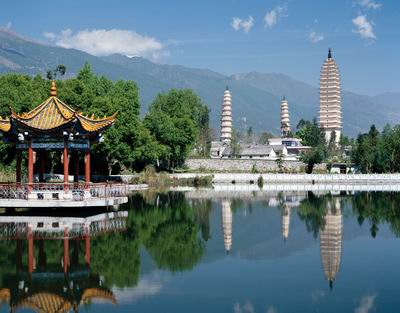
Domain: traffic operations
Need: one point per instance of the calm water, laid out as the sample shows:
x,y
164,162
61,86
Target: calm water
x,y
208,252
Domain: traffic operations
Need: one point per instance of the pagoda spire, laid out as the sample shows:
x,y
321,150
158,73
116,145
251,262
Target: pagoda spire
x,y
329,53
53,89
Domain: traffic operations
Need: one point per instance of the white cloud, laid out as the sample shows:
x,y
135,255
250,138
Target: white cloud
x,y
102,42
246,25
369,4
272,17
314,37
364,27
366,304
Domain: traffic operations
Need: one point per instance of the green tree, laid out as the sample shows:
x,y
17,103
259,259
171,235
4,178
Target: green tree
x,y
314,156
176,119
311,135
264,138
279,162
128,144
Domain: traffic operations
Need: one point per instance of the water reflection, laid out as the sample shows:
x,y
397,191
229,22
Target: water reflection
x,y
59,263
227,224
331,240
49,277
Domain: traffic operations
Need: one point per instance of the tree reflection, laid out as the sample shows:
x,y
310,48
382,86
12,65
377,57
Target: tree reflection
x,y
375,208
312,211
168,230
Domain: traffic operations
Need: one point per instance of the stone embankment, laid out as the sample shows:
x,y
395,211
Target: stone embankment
x,y
241,165
243,178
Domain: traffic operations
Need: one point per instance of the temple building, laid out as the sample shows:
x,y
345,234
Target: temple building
x,y
222,148
285,121
331,240
52,126
330,113
227,224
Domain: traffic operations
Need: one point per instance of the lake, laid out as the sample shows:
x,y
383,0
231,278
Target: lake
x,y
207,251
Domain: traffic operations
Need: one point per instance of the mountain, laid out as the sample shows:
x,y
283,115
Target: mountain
x,y
359,111
256,96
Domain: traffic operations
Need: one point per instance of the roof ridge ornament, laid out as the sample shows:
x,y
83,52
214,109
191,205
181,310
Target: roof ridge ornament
x,y
53,89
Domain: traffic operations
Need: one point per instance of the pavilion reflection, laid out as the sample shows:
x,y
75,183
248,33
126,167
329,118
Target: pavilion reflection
x,y
55,286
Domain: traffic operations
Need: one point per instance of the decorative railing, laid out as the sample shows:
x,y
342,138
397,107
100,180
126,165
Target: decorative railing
x,y
47,227
56,191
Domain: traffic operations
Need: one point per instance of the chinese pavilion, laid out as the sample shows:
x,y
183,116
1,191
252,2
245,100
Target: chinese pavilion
x,y
53,126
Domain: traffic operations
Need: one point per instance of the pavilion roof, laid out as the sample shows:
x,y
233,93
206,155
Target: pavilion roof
x,y
53,114
47,302
44,302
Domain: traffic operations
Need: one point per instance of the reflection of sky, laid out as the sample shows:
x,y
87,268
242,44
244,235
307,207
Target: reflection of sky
x,y
265,274
148,286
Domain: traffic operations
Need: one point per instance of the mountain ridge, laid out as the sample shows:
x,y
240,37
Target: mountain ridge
x,y
256,96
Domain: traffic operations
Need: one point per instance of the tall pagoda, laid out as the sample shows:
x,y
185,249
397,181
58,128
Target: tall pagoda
x,y
285,121
226,117
53,126
330,111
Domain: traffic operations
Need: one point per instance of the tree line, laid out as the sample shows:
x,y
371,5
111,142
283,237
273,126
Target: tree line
x,y
177,121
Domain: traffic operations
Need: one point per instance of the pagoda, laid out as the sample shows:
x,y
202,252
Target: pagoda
x,y
330,107
226,117
285,121
53,126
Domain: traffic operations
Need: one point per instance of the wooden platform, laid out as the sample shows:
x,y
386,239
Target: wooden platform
x,y
56,195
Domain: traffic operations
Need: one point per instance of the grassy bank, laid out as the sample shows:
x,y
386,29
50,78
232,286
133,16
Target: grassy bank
x,y
159,180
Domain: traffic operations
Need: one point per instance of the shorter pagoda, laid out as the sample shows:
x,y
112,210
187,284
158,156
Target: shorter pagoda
x,y
53,126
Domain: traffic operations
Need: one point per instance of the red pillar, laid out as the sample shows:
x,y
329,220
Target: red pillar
x,y
87,167
65,158
18,253
30,250
30,166
18,166
42,165
42,254
76,159
66,250
87,250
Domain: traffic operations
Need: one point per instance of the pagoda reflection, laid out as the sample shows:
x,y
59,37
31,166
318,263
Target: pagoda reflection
x,y
285,221
60,286
226,211
331,240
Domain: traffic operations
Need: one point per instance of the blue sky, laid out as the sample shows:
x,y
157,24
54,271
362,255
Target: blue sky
x,y
229,36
